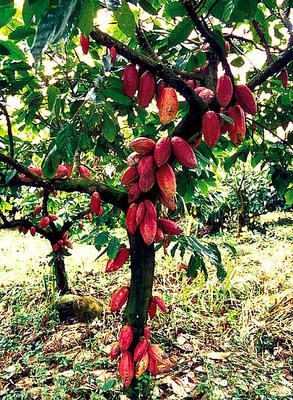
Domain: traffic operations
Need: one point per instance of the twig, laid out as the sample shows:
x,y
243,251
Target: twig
x,y
9,129
261,35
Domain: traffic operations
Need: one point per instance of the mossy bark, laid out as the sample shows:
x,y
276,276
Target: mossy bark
x,y
61,277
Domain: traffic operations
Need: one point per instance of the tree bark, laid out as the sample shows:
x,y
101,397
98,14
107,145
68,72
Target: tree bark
x,y
61,277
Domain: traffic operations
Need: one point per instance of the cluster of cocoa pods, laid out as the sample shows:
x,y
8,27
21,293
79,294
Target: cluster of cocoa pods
x,y
62,243
24,230
146,356
148,166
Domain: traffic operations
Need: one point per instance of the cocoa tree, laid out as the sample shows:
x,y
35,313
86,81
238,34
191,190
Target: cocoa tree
x,y
88,109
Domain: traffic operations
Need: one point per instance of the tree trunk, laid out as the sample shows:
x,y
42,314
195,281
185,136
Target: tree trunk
x,y
61,276
142,275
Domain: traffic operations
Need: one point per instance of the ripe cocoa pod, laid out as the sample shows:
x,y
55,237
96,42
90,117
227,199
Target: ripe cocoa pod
x,y
168,105
162,151
140,349
44,222
95,203
130,80
120,259
113,54
90,217
37,210
211,128
140,213
148,226
245,99
152,309
34,170
32,230
199,89
146,182
237,131
147,333
284,78
131,224
133,159
142,145
115,351
166,180
125,337
146,165
142,365
224,90
56,247
134,192
169,227
159,235
191,83
62,172
206,95
183,152
20,229
118,299
157,354
153,366
130,175
160,303
68,243
52,217
146,89
227,45
167,202
160,87
126,368
84,172
84,43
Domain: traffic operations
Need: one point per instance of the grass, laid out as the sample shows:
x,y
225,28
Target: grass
x,y
229,340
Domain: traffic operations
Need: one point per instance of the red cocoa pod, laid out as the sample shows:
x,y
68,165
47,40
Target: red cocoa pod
x,y
56,247
160,303
130,175
120,259
37,210
142,145
142,365
197,70
32,230
90,217
160,87
206,95
146,165
167,202
61,243
169,227
227,45
284,78
224,90
115,351
95,203
52,217
68,243
153,366
146,182
100,213
157,354
113,54
191,83
140,349
140,213
237,131
62,172
168,105
147,333
20,229
25,230
130,80
134,192
118,299
152,309
126,368
84,172
133,159
125,337
85,43
131,224
36,171
44,222
166,180
245,99
199,89
183,152
148,226
159,235
65,235
211,128
146,89
162,151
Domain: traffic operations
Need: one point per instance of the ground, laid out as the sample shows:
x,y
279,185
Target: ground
x,y
230,340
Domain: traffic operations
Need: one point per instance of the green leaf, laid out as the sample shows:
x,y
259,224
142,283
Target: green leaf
x,y
180,32
125,19
202,186
87,15
113,248
50,163
289,197
108,385
56,23
175,9
5,15
237,62
10,176
109,129
226,118
67,142
149,7
21,32
195,265
8,48
117,95
53,92
101,239
32,10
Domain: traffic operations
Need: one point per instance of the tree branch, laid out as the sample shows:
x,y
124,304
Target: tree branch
x,y
68,224
25,223
261,35
9,129
145,44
